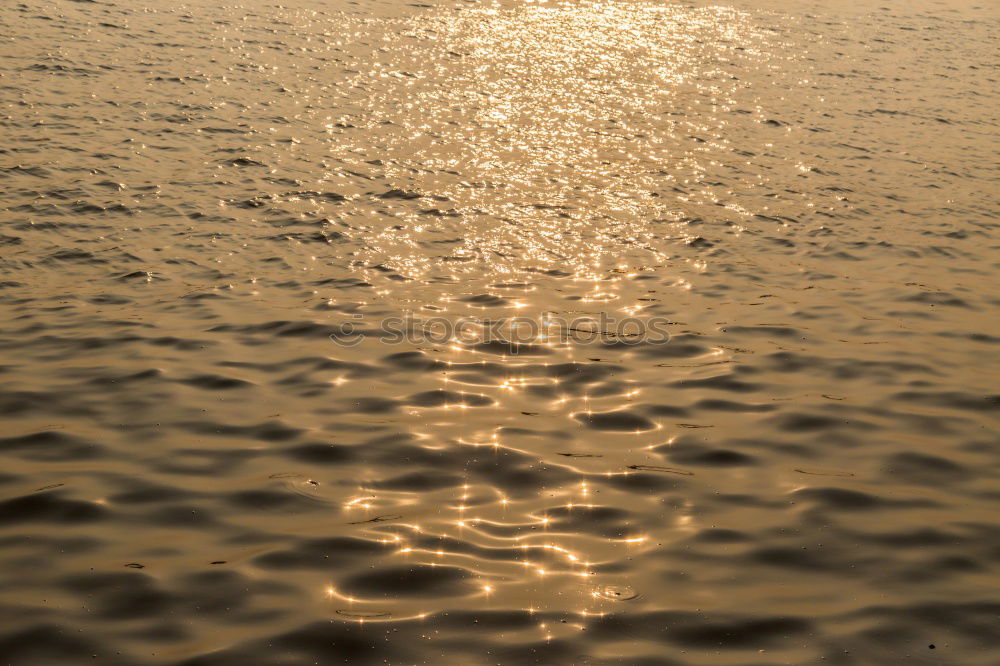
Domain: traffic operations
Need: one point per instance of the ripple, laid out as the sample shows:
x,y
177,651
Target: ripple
x,y
422,581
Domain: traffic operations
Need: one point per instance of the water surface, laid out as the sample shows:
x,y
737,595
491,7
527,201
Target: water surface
x,y
197,196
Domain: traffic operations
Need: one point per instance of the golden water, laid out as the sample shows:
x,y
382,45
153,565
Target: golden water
x,y
196,197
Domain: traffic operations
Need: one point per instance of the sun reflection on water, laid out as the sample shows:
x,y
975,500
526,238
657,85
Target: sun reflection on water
x,y
578,166
566,152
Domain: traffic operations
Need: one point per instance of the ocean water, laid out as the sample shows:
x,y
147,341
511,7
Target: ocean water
x,y
584,332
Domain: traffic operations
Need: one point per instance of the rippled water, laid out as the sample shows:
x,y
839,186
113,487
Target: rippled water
x,y
196,197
